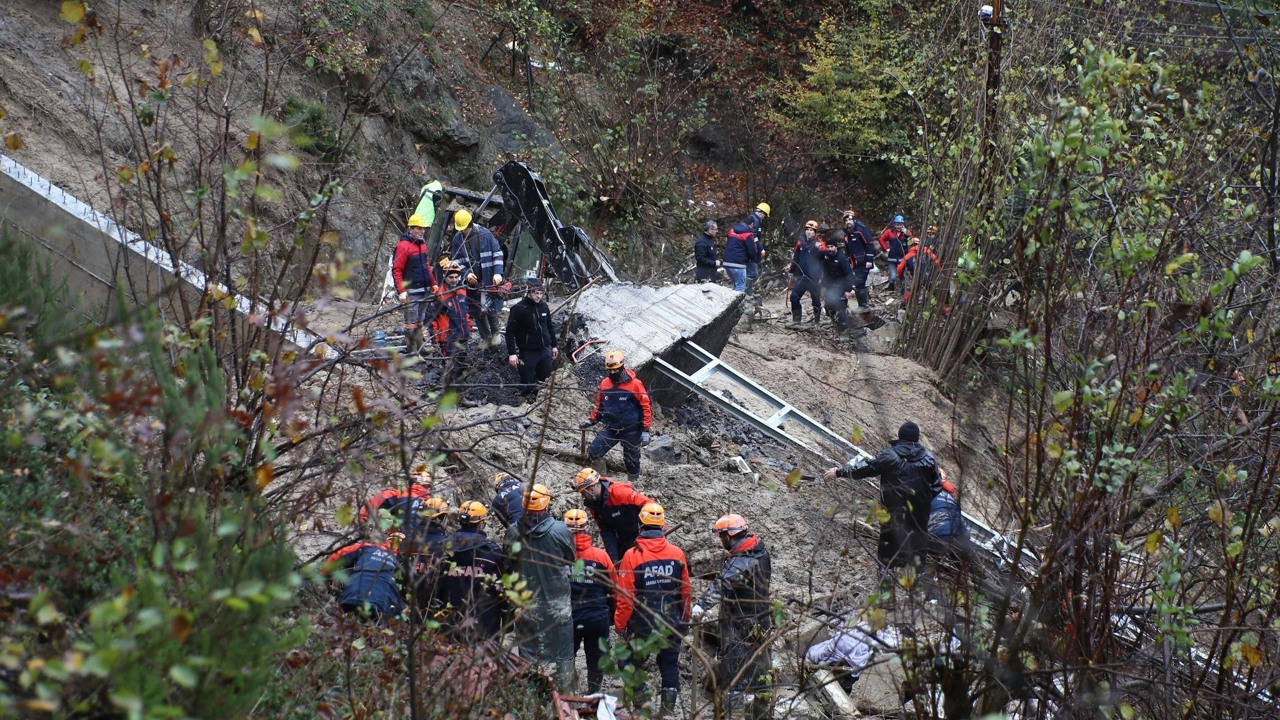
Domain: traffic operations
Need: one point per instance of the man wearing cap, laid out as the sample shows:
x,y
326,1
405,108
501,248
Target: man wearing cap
x,y
531,339
909,479
478,253
546,552
411,270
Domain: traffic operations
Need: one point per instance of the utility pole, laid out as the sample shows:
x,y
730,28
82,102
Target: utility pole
x,y
995,40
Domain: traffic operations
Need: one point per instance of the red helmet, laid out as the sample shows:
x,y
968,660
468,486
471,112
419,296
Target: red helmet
x,y
732,524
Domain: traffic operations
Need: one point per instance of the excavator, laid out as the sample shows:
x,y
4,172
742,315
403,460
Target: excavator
x,y
535,243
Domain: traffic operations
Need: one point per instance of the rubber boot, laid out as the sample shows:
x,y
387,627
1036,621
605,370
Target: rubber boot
x,y
594,681
564,676
413,340
817,318
633,477
668,707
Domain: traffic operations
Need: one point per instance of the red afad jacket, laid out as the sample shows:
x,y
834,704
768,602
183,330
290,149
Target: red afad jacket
x,y
653,586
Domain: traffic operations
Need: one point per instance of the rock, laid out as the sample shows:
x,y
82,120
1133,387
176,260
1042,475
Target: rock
x,y
665,450
703,457
878,690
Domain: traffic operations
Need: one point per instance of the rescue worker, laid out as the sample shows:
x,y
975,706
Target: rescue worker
x,y
741,589
411,269
909,479
654,596
508,499
948,534
452,325
920,261
545,628
531,339
615,506
893,242
740,251
837,279
472,584
425,553
371,588
593,598
397,500
755,221
704,253
806,274
622,405
479,255
861,251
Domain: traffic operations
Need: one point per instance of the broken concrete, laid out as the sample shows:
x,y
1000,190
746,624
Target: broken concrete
x,y
648,322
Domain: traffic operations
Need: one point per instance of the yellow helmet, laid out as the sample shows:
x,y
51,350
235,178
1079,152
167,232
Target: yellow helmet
x,y
576,519
472,511
416,220
537,498
434,507
652,514
461,220
764,208
585,478
614,360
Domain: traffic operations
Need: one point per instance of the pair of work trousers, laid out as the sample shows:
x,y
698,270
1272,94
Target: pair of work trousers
x,y
837,304
455,361
587,634
668,663
415,310
630,439
860,287
753,274
739,641
802,285
485,322
535,366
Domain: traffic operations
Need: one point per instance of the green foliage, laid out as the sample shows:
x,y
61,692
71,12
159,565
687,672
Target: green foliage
x,y
36,310
311,128
625,661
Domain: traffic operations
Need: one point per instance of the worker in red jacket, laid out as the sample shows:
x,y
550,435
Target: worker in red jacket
x,y
593,598
395,500
616,508
920,261
411,269
654,595
893,242
622,404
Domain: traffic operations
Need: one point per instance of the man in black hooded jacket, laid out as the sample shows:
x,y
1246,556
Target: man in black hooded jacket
x,y
531,339
909,479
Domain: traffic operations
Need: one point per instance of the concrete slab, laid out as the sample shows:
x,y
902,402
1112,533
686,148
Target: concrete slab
x,y
644,322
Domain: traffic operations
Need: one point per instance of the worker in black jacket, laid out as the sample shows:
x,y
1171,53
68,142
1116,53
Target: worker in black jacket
x,y
704,253
837,280
472,584
860,248
909,478
741,589
531,339
806,273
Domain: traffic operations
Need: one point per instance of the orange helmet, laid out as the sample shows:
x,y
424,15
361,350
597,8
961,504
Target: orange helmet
x,y
614,360
434,507
472,511
850,214
731,524
501,478
811,225
537,498
421,476
576,519
585,478
653,514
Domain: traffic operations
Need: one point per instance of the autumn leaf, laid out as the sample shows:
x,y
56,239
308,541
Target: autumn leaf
x,y
72,11
344,516
1062,400
1153,542
856,435
181,626
329,238
252,142
1250,654
1171,517
256,36
1136,416
265,475
12,141
1219,513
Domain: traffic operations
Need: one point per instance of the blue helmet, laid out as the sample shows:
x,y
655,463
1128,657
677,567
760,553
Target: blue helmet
x,y
899,219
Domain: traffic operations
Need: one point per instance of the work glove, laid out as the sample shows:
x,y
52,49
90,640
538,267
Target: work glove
x,y
586,424
497,278
471,279
435,289
644,438
513,361
698,612
404,297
